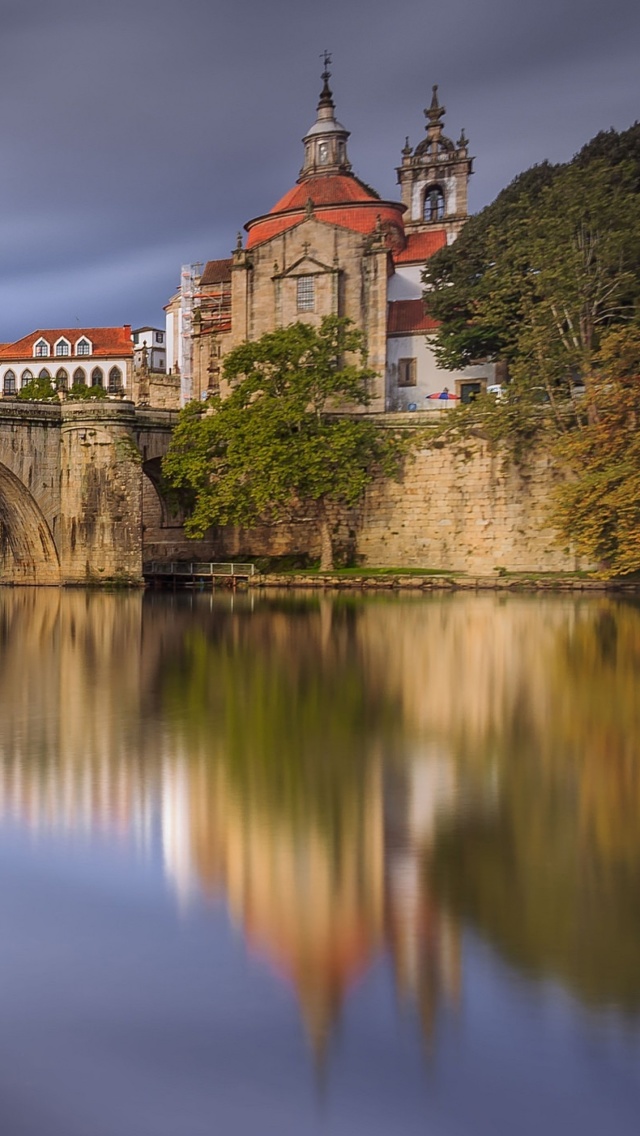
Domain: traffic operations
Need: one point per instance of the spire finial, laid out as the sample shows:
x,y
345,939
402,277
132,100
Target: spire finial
x,y
435,111
326,97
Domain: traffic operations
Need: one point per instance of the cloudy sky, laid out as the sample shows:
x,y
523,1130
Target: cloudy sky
x,y
138,135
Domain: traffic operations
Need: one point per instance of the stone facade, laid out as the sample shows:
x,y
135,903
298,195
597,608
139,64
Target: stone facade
x,y
331,246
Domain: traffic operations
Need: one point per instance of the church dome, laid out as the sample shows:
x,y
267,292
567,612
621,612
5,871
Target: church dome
x,y
327,189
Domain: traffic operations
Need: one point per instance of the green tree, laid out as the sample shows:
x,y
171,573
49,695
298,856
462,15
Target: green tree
x,y
39,389
81,392
598,507
282,445
541,279
536,277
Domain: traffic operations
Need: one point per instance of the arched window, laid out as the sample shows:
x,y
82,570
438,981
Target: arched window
x,y
26,377
97,377
115,380
79,377
44,374
62,379
433,203
9,383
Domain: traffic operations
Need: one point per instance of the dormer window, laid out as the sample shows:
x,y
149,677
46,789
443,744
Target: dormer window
x,y
83,347
41,349
63,347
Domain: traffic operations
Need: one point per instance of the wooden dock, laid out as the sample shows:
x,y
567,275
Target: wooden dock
x,y
196,574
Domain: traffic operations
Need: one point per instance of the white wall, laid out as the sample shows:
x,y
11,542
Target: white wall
x,y
405,284
69,363
430,379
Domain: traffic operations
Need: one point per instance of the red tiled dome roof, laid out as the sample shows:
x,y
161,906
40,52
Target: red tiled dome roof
x,y
338,199
330,189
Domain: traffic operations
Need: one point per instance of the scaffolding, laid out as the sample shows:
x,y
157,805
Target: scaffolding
x,y
189,276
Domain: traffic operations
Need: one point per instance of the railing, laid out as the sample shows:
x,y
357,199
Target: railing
x,y
198,568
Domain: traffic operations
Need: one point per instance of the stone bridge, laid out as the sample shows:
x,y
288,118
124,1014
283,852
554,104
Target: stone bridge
x,y
79,491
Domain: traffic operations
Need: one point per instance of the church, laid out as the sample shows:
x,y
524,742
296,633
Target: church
x,y
332,246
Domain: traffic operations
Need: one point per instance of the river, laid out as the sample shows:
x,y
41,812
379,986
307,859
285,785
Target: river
x,y
291,866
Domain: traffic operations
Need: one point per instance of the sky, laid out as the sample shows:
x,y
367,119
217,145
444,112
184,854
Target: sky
x,y
140,135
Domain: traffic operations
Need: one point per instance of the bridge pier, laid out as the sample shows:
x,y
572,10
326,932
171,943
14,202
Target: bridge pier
x,y
71,491
99,533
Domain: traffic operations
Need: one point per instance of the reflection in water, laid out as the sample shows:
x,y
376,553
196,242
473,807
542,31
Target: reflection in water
x,y
355,780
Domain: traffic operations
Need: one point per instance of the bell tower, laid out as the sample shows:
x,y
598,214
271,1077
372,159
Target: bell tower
x,y
434,178
325,144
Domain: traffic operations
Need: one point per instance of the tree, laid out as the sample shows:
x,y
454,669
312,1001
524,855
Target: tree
x,y
598,507
281,445
39,389
544,278
81,392
537,276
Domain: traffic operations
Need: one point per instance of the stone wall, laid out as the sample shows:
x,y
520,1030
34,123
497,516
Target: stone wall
x,y
464,509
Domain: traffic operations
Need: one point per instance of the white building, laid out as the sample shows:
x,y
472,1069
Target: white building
x,y
154,339
90,356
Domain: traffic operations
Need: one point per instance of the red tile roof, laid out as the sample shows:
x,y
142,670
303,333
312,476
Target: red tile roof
x,y
216,272
408,316
360,218
325,189
105,342
338,199
420,246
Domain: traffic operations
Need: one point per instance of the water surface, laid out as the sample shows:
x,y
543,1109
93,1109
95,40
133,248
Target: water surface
x,y
329,865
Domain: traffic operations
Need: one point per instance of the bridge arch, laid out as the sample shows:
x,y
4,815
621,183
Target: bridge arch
x,y
28,554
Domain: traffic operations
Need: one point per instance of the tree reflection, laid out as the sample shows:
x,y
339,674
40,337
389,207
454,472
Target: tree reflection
x,y
552,875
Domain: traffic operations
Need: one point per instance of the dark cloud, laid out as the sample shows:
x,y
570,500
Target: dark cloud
x,y
139,135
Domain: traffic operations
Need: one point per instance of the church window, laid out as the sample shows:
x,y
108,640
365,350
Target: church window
x,y
406,372
306,294
26,377
115,380
41,349
9,386
96,377
44,374
83,347
79,379
62,347
62,379
323,153
433,203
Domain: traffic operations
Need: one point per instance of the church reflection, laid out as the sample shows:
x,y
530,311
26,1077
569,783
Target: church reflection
x,y
318,769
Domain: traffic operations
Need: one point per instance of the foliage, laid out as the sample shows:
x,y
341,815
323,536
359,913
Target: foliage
x,y
38,390
599,507
280,446
541,279
80,392
536,276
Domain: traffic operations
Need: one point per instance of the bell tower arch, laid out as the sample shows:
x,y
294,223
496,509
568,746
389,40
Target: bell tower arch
x,y
434,177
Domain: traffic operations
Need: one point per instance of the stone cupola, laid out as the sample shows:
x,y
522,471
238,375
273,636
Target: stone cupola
x,y
325,144
434,177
